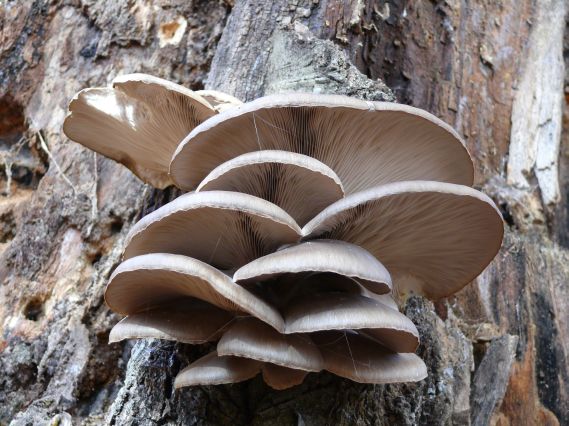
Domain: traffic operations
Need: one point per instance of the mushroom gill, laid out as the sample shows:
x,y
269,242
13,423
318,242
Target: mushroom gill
x,y
308,211
300,185
140,121
366,143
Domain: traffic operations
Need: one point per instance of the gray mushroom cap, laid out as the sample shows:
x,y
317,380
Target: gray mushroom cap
x,y
365,143
138,122
250,338
350,355
216,370
301,185
330,256
149,281
341,311
433,237
185,320
224,229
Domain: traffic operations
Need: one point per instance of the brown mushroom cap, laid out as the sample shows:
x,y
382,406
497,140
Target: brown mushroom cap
x,y
300,185
150,281
280,378
337,257
224,229
362,360
365,143
216,370
433,237
139,122
186,320
250,338
341,311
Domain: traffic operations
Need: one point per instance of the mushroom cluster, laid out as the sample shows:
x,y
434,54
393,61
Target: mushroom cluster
x,y
305,215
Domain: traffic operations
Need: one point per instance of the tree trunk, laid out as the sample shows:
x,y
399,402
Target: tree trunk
x,y
497,353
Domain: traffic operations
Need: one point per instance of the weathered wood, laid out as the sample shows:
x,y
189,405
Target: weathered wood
x,y
491,379
63,226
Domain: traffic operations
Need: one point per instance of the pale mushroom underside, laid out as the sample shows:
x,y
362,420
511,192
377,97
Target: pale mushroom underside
x,y
365,143
140,121
433,237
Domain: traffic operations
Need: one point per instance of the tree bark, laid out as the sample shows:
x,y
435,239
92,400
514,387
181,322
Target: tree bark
x,y
497,353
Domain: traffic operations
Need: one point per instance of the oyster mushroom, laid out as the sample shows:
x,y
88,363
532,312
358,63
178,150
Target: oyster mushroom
x,y
225,229
140,121
365,143
433,237
300,185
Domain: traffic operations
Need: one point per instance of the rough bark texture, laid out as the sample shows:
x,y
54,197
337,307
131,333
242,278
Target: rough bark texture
x,y
497,352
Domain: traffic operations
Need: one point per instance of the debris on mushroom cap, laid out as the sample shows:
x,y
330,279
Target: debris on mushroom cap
x,y
150,281
139,122
300,185
250,338
215,370
218,100
320,256
224,229
433,237
365,143
337,311
185,320
362,360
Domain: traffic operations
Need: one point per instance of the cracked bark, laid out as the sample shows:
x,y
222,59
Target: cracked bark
x,y
460,61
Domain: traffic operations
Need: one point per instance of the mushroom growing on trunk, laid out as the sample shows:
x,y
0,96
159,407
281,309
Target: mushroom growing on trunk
x,y
309,215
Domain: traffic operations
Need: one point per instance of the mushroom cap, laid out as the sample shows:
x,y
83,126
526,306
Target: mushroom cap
x,y
330,256
362,360
251,338
301,185
213,369
433,237
218,100
216,370
138,123
365,143
281,378
342,311
224,229
184,320
150,281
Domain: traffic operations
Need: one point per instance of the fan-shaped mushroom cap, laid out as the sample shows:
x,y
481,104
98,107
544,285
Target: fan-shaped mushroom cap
x,y
187,320
341,311
139,122
365,143
332,256
362,360
150,281
218,100
216,370
281,378
250,338
224,229
433,237
213,369
300,185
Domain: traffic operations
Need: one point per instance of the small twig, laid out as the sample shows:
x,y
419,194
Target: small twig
x,y
44,147
8,160
94,200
